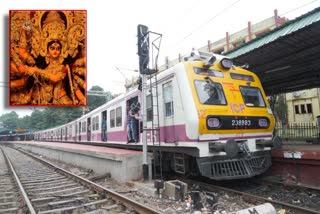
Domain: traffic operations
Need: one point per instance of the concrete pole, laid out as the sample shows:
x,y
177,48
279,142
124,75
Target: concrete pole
x,y
144,133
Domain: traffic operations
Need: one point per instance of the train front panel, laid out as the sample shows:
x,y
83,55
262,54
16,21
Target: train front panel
x,y
235,122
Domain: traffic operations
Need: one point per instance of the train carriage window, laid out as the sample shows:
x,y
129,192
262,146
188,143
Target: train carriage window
x,y
93,123
168,99
119,116
112,118
97,123
252,96
210,93
149,108
84,126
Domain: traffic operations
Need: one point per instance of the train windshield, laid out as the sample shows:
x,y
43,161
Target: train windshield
x,y
210,93
252,96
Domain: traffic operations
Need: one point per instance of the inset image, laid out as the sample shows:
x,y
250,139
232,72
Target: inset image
x,y
47,58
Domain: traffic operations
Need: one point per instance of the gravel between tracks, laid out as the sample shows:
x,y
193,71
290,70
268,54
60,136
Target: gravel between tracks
x,y
136,190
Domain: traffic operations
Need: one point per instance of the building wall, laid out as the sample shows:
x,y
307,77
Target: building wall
x,y
303,106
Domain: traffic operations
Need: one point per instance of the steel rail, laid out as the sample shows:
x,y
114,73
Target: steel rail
x,y
298,186
137,207
251,196
21,189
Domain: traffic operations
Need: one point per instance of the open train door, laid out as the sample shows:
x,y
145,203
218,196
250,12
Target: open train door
x,y
169,133
74,134
135,127
79,131
104,126
89,129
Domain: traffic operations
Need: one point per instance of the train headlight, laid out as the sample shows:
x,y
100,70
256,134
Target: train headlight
x,y
213,122
263,123
226,63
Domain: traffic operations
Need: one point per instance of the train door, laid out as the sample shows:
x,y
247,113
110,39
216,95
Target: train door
x,y
168,113
61,135
104,126
134,122
76,133
66,134
89,129
79,131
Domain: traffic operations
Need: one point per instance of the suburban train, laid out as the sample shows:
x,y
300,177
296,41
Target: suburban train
x,y
214,120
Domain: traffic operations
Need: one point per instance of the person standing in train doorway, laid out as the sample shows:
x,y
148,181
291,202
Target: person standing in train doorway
x,y
104,128
130,126
135,121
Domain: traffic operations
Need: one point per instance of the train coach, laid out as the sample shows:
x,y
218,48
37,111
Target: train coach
x,y
208,116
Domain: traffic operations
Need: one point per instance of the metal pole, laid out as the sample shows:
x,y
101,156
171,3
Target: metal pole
x,y
144,133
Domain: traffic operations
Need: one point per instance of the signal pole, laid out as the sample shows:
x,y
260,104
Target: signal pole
x,y
143,52
144,128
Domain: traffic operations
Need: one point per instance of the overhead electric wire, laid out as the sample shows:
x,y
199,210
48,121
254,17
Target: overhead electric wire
x,y
228,7
208,21
298,7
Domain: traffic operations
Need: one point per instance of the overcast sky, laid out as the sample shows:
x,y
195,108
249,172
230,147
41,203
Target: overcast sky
x,y
112,30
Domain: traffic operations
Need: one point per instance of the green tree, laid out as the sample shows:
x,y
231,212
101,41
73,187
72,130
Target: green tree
x,y
97,97
36,121
25,122
279,107
55,116
10,120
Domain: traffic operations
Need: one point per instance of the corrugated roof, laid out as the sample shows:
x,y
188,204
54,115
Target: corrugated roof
x,y
290,27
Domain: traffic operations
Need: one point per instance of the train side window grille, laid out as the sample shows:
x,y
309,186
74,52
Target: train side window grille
x,y
112,118
119,116
168,99
149,108
252,96
210,93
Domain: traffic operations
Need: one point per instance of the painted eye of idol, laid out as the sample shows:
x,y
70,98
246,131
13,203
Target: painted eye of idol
x,y
54,46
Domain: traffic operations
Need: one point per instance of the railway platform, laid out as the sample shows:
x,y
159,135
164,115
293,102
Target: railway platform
x,y
297,163
123,165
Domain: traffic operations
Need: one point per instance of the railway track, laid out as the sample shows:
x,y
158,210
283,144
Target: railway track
x,y
266,193
45,188
10,197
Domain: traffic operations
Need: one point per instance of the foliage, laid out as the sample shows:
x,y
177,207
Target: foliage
x,y
10,120
97,97
279,107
